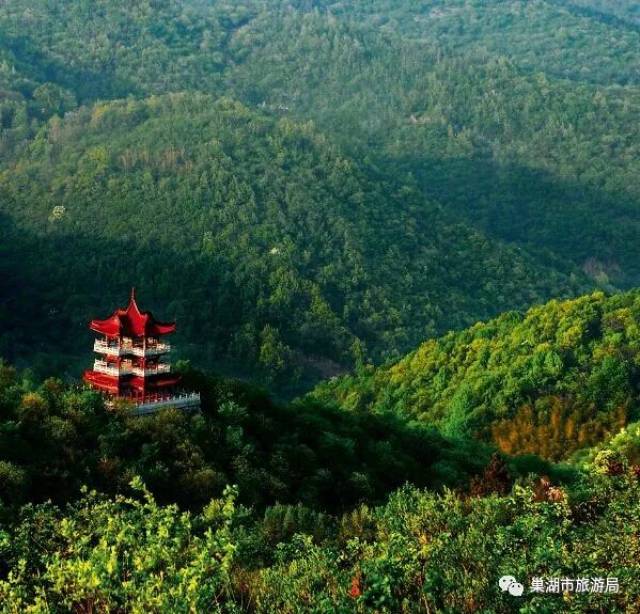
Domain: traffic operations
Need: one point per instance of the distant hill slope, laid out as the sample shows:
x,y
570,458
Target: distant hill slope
x,y
273,250
611,11
518,117
512,149
555,379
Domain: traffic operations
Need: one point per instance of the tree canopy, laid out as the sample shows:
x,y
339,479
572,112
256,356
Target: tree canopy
x,y
550,381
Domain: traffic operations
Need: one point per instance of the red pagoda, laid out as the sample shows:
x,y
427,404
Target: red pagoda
x,y
132,364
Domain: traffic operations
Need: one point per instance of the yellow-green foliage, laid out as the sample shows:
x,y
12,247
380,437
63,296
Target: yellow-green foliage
x,y
126,554
420,552
560,377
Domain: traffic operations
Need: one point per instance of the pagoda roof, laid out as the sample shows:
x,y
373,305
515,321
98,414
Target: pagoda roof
x,y
108,383
132,322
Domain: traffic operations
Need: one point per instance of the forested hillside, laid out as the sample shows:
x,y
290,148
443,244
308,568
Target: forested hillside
x,y
56,438
627,11
465,158
558,378
278,255
517,151
518,116
419,551
313,188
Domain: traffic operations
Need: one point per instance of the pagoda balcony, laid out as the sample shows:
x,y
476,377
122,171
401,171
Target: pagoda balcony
x,y
101,366
128,349
155,370
150,350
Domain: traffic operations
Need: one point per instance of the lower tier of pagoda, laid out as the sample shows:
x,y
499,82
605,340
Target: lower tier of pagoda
x,y
134,388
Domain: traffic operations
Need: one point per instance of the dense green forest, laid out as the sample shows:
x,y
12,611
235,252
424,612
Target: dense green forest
x,y
549,381
273,250
56,438
504,131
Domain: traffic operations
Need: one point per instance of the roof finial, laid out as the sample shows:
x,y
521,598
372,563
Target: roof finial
x,y
133,294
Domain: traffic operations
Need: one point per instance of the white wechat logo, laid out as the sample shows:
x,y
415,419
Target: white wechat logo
x,y
511,585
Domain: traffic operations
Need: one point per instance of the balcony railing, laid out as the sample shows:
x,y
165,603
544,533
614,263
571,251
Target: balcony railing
x,y
188,402
150,350
100,366
102,347
151,370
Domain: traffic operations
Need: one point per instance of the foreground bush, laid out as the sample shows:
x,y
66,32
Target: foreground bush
x,y
421,552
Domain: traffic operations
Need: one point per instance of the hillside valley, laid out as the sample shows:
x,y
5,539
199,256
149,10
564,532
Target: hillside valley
x,y
259,236
455,137
554,380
